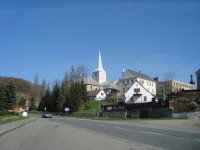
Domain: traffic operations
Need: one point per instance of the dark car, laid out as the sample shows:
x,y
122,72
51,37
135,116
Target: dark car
x,y
47,115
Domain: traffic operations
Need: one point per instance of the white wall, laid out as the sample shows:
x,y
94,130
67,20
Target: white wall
x,y
101,95
139,98
149,85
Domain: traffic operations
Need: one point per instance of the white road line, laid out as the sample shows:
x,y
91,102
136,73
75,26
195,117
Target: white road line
x,y
121,128
151,133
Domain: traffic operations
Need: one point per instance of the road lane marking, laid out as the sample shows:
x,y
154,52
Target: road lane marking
x,y
151,133
121,128
159,134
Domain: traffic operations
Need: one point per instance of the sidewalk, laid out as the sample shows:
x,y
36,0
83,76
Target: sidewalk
x,y
7,127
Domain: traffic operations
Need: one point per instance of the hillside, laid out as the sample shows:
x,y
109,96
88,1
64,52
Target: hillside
x,y
23,86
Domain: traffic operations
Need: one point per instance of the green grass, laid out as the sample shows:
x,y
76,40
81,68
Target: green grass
x,y
10,118
91,106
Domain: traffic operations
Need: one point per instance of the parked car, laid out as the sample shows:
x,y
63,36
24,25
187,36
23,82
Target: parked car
x,y
47,115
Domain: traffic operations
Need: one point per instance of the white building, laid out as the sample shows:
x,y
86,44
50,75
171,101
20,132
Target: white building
x,y
138,94
96,95
128,78
172,86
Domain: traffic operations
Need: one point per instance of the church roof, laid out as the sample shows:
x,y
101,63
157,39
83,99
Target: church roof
x,y
89,81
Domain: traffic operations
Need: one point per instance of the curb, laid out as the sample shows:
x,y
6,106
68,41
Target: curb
x,y
17,126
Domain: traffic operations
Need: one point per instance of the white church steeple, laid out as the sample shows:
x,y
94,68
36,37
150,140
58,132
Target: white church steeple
x,y
99,73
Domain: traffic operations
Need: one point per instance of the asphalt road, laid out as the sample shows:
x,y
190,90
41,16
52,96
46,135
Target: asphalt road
x,y
74,134
153,137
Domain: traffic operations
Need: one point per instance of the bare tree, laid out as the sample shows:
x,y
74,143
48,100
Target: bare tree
x,y
81,71
169,75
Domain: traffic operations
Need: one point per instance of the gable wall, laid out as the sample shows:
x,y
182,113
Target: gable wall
x,y
137,98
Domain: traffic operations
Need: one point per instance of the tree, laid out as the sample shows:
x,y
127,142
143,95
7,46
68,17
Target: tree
x,y
55,96
46,100
22,101
81,72
9,95
84,94
169,75
2,100
43,88
63,98
35,91
31,103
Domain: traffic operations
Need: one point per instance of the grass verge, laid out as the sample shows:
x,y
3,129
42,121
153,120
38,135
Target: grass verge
x,y
10,118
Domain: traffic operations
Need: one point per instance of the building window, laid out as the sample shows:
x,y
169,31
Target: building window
x,y
91,87
137,90
145,98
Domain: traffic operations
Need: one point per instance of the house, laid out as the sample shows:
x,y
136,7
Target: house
x,y
91,84
138,94
96,95
128,78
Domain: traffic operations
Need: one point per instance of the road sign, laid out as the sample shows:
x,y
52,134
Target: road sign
x,y
66,108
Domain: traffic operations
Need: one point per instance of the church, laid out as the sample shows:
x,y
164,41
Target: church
x,y
115,89
98,77
93,84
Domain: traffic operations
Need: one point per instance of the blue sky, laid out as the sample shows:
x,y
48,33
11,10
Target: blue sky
x,y
47,37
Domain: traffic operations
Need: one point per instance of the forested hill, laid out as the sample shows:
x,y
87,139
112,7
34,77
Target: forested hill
x,y
21,84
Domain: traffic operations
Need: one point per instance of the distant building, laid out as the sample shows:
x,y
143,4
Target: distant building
x,y
198,79
99,74
166,87
129,77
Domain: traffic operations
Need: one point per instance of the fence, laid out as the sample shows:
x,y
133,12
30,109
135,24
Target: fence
x,y
123,106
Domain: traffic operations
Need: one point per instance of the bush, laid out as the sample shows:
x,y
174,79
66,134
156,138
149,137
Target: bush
x,y
183,105
7,113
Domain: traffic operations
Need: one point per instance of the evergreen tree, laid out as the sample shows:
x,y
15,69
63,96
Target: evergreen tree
x,y
75,96
22,101
54,96
31,103
84,94
2,100
46,100
10,96
63,98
